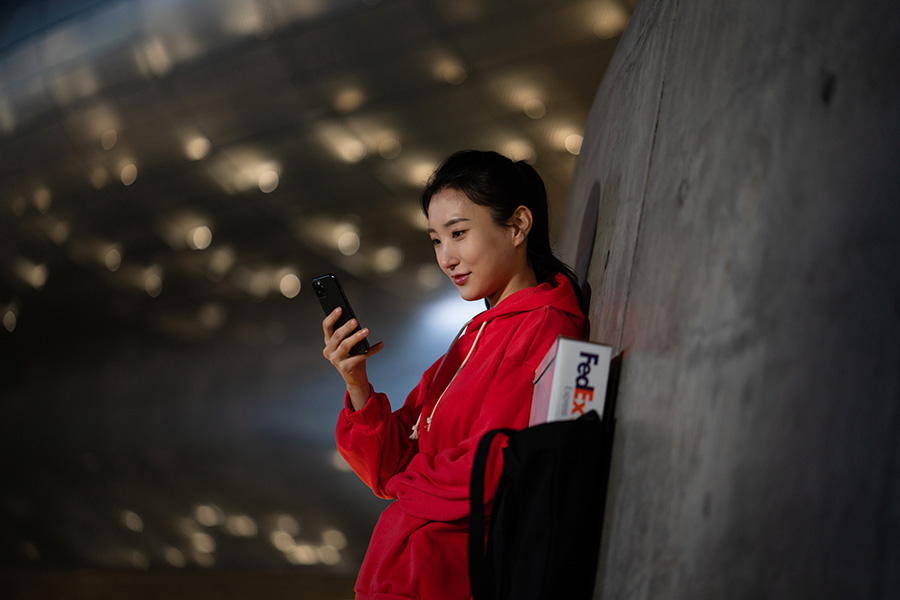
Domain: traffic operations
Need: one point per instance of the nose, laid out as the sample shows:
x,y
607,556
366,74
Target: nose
x,y
446,258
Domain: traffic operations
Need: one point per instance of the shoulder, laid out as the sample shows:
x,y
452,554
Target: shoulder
x,y
530,334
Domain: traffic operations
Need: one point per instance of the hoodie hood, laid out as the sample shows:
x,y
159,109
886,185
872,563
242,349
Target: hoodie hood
x,y
558,294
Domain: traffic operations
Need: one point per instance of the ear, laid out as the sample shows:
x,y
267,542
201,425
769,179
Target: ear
x,y
520,224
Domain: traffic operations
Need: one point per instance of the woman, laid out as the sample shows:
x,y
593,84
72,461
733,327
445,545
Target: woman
x,y
488,221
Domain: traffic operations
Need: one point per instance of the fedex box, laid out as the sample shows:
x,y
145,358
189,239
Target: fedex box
x,y
570,381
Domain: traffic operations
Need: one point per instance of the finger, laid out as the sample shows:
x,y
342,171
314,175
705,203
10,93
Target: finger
x,y
329,321
374,349
346,329
352,340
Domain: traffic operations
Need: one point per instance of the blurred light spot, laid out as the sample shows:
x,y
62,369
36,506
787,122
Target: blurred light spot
x,y
158,58
573,143
7,118
132,521
33,274
42,199
351,150
289,285
342,142
348,243
199,238
113,259
388,259
420,172
283,541
31,551
430,276
303,554
349,99
609,19
268,181
389,148
203,542
59,231
241,526
204,559
335,539
187,526
10,320
99,177
287,524
138,559
153,281
519,150
221,261
197,148
109,138
208,515
534,108
174,557
450,70
128,174
329,555
338,462
211,316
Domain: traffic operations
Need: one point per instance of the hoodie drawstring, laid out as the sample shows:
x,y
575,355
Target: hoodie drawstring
x,y
415,430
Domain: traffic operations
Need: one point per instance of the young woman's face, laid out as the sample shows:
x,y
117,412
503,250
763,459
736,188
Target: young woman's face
x,y
483,259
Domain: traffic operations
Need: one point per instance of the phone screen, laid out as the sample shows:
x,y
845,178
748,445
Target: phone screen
x,y
331,295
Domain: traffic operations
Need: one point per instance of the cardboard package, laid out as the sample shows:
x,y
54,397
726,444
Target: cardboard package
x,y
570,381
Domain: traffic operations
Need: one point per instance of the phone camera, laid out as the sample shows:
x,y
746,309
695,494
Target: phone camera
x,y
320,289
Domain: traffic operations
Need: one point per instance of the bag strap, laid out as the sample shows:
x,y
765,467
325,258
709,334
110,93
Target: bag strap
x,y
478,577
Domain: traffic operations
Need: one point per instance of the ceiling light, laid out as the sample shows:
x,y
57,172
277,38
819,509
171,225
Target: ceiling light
x,y
10,320
42,199
197,148
108,139
129,174
609,20
388,259
450,70
268,182
348,243
199,238
389,148
349,99
289,284
534,108
112,259
573,143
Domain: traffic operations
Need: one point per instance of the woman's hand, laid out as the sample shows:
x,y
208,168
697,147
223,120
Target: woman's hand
x,y
352,367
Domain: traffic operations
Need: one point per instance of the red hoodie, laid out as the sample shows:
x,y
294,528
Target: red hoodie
x,y
419,547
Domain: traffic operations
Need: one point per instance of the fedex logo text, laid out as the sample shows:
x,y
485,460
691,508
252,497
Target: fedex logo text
x,y
584,392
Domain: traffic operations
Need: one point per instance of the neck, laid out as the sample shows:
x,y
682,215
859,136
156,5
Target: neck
x,y
522,280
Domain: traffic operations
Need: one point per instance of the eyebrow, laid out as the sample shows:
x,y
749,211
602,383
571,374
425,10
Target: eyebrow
x,y
450,223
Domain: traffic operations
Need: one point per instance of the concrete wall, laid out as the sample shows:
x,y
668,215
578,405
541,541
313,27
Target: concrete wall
x,y
736,207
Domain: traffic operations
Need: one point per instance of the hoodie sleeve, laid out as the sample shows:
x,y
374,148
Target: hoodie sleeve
x,y
375,441
436,486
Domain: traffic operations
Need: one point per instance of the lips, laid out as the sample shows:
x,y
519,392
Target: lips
x,y
460,279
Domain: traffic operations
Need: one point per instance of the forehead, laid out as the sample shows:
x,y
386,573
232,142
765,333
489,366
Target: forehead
x,y
450,204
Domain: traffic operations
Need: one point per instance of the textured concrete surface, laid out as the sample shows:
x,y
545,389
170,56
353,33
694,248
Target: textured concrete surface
x,y
736,209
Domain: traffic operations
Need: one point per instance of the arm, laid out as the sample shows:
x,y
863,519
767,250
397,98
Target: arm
x,y
374,441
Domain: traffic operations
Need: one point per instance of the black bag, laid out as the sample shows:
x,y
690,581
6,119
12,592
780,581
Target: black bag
x,y
544,535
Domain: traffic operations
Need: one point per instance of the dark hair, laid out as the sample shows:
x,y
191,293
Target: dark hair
x,y
496,182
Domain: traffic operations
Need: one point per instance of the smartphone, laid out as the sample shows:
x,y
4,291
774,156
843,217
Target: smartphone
x,y
331,295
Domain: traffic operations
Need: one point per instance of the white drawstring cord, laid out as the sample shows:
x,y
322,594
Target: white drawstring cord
x,y
415,430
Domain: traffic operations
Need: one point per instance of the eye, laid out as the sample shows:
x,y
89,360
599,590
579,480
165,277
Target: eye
x,y
435,241
458,233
